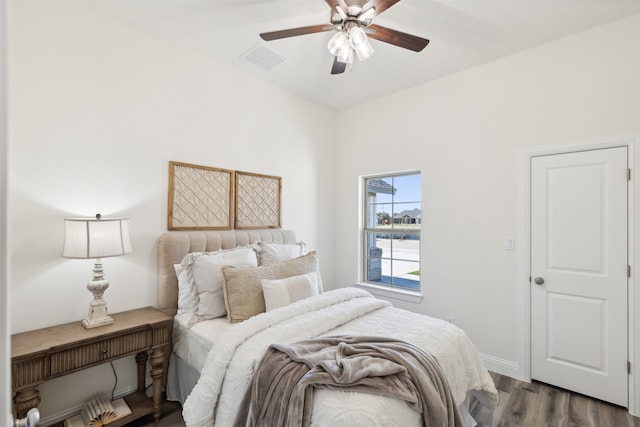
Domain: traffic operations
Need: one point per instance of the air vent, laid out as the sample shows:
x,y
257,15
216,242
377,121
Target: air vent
x,y
263,57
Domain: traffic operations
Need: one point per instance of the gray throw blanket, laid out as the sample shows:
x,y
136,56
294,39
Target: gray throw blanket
x,y
281,392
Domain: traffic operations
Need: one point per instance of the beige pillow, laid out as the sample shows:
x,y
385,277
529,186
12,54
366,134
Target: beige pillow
x,y
243,296
281,292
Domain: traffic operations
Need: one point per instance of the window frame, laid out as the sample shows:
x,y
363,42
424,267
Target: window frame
x,y
377,287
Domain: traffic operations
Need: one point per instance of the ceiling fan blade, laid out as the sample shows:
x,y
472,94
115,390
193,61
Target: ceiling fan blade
x,y
338,67
292,32
397,38
380,5
334,3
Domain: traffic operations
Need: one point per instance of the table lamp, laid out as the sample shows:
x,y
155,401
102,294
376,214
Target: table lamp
x,y
96,238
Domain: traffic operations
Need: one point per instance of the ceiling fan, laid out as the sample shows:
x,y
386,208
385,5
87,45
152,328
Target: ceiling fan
x,y
353,22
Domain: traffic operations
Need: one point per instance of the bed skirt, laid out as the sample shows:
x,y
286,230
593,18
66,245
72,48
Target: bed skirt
x,y
181,378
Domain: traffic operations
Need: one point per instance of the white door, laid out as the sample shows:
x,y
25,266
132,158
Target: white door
x,y
579,272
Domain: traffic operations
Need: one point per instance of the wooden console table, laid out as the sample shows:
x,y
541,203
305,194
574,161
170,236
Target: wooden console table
x,y
47,353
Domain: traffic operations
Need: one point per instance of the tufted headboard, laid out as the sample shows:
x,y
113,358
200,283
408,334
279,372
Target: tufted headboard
x,y
174,245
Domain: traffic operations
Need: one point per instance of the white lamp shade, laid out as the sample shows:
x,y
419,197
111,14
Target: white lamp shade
x,y
96,238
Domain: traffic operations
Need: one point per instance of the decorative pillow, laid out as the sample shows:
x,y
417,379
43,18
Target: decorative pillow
x,y
205,269
270,253
187,293
281,292
243,294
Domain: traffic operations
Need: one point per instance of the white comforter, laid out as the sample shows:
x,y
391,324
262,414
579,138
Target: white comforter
x,y
229,366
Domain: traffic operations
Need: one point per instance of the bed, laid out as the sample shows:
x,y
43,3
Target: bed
x,y
213,360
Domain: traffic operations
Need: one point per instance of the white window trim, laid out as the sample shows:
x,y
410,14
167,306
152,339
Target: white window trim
x,y
391,292
375,289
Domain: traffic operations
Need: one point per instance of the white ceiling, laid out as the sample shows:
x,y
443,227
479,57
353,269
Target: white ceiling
x,y
463,34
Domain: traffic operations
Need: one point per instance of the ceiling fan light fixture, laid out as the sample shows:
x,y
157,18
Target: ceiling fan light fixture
x,y
345,55
364,51
338,43
360,43
353,20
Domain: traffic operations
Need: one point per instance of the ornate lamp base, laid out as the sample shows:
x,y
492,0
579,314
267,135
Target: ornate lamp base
x,y
98,315
88,323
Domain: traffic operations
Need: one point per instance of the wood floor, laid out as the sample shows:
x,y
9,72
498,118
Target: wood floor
x,y
521,405
540,405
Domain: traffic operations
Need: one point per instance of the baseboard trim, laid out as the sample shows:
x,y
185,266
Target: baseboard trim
x,y
502,366
70,412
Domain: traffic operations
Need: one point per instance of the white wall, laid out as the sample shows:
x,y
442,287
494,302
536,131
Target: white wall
x,y
98,109
464,133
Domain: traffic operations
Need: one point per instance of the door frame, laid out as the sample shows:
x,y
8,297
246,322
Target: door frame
x,y
5,355
524,251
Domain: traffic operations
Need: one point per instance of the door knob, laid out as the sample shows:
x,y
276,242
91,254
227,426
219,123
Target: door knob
x,y
539,280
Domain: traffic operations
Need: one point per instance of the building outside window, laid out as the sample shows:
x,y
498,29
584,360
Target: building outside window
x,y
393,214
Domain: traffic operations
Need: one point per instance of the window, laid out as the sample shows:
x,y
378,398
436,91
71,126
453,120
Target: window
x,y
393,214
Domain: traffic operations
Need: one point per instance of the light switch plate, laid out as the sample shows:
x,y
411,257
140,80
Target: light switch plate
x,y
508,243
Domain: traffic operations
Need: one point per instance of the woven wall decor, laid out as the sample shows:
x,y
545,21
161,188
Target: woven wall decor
x,y
200,197
258,200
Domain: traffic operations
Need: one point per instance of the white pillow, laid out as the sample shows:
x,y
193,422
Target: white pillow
x,y
270,253
206,270
187,293
281,292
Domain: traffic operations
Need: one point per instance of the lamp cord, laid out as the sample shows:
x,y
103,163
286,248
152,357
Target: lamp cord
x,y
115,377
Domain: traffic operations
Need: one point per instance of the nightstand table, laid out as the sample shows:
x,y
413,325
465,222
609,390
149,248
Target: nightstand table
x,y
37,356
